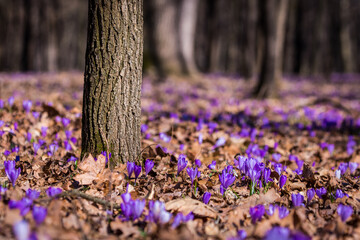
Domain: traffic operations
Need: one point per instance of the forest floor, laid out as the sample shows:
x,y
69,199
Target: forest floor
x,y
306,142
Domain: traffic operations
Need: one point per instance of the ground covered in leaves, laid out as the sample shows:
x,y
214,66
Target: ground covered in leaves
x,y
215,164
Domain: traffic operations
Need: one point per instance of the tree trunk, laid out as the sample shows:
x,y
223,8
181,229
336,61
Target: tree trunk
x,y
272,26
113,76
187,25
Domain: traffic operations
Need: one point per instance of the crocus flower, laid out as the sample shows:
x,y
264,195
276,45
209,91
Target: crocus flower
x,y
206,197
331,148
220,142
28,137
21,230
241,235
1,104
179,218
126,210
278,167
149,164
297,200
43,131
200,138
226,180
353,166
2,191
65,122
182,163
32,194
165,137
53,191
276,156
266,175
198,162
339,194
240,163
36,147
344,212
11,172
282,181
67,146
137,207
343,167
137,171
144,127
277,233
192,172
72,159
283,212
310,193
158,213
39,214
257,212
212,165
53,148
23,205
126,197
130,168
320,192
27,105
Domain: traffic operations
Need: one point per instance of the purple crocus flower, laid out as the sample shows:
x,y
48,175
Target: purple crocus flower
x,y
53,191
165,137
320,192
36,147
198,162
277,233
36,115
180,218
297,200
23,205
2,191
28,137
39,214
278,167
338,174
126,210
220,142
72,159
310,193
240,163
149,164
130,168
43,131
266,175
344,212
212,165
11,172
200,138
282,181
158,213
105,154
182,163
126,197
27,105
137,207
226,180
11,101
276,156
144,128
53,148
331,148
6,153
137,171
1,104
256,213
283,212
68,134
67,146
343,167
206,197
339,194
353,166
65,122
192,172
241,235
21,230
32,194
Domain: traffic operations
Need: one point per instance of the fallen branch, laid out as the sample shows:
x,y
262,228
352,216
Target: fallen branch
x,y
77,193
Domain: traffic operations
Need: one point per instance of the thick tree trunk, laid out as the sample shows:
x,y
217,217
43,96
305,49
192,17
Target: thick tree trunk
x,y
272,26
113,76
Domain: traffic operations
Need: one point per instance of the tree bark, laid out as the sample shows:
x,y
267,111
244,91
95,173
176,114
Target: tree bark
x,y
113,76
272,26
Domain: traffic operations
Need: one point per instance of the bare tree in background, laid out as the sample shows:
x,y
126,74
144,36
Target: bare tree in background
x,y
113,76
272,19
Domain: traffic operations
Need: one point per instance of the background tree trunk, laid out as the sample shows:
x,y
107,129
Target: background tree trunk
x,y
113,76
272,26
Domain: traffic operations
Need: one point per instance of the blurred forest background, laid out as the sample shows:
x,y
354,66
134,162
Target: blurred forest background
x,y
192,36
